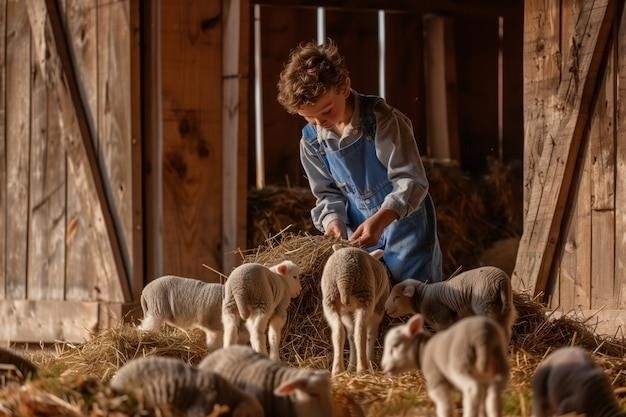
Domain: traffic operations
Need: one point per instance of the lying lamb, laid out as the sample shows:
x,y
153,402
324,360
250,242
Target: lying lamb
x,y
283,391
185,303
481,291
12,360
174,387
260,296
355,285
568,381
471,355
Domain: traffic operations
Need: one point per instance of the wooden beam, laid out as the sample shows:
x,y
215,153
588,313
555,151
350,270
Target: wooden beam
x,y
552,178
473,7
55,61
235,63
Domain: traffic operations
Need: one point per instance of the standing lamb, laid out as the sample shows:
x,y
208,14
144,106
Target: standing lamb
x,y
568,381
260,296
471,355
175,387
283,391
482,291
185,303
355,285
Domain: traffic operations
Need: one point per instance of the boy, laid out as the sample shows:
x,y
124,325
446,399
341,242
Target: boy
x,y
362,163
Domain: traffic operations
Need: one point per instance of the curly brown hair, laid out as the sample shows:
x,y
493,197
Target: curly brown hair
x,y
311,71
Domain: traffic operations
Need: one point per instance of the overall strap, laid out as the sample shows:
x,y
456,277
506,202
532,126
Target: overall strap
x,y
309,133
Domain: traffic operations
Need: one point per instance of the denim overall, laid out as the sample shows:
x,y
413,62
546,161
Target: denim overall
x,y
411,246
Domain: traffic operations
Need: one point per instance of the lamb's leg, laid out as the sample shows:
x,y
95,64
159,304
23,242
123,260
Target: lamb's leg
x,y
338,337
214,339
275,328
348,322
231,322
372,335
257,326
473,393
493,400
360,339
440,393
150,322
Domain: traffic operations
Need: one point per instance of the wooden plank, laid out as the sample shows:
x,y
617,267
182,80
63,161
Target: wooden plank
x,y
47,320
137,170
583,278
114,117
235,61
541,80
3,142
151,122
602,322
405,55
39,228
192,153
620,168
442,133
282,29
18,94
602,154
473,7
552,178
54,59
83,269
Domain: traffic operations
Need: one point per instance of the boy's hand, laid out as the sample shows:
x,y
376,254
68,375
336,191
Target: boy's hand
x,y
368,233
336,228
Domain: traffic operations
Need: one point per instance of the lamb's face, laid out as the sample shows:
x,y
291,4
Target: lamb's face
x,y
309,394
399,354
398,304
291,273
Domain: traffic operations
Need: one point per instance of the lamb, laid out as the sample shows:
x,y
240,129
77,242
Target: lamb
x,y
471,355
12,360
283,391
568,381
260,296
185,303
481,291
177,388
355,285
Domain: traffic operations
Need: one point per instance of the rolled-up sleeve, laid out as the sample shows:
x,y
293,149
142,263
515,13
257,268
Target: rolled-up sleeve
x,y
397,150
330,202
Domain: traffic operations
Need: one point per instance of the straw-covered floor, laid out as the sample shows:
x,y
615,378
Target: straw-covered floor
x,y
73,378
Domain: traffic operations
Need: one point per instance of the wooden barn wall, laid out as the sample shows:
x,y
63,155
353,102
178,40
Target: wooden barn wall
x,y
356,32
191,65
588,273
55,256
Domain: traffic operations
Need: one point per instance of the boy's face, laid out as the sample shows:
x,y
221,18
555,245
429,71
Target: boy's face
x,y
329,109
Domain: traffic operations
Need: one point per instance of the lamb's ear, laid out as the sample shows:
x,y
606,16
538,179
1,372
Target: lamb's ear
x,y
291,386
415,325
409,289
281,268
377,254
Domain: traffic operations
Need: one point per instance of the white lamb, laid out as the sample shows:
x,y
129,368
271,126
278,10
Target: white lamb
x,y
185,303
355,285
174,387
471,355
282,391
568,381
481,291
260,296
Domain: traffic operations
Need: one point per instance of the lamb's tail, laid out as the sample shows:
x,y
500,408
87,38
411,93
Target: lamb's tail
x,y
344,287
